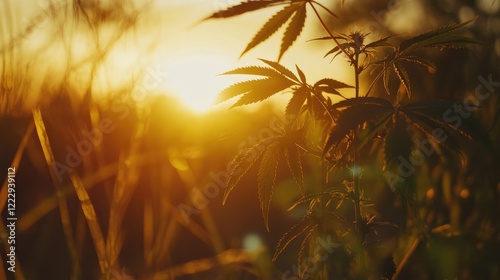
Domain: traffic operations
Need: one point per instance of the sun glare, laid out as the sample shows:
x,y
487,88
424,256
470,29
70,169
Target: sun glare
x,y
193,80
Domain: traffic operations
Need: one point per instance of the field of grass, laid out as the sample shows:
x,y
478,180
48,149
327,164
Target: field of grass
x,y
105,177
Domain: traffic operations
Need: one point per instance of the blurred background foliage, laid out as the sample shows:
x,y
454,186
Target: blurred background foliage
x,y
80,62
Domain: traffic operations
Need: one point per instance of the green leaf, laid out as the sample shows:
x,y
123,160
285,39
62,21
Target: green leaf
x,y
420,61
292,155
295,104
241,88
313,196
301,75
243,8
332,83
280,68
438,37
264,90
240,165
334,50
372,129
350,118
383,42
387,76
443,113
266,179
271,26
427,128
293,30
330,86
255,90
307,223
362,100
403,76
302,251
253,70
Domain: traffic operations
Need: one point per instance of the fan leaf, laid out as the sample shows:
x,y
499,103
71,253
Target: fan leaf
x,y
350,118
383,42
441,36
295,104
446,114
307,223
332,83
330,86
301,75
362,100
266,179
243,8
420,61
264,90
240,165
271,26
387,76
429,128
292,155
253,70
403,76
293,30
369,133
282,69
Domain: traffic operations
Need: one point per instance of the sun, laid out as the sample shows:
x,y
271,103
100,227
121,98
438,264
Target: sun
x,y
193,80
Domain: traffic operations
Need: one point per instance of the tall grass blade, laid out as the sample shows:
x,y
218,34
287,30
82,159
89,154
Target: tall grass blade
x,y
91,218
61,198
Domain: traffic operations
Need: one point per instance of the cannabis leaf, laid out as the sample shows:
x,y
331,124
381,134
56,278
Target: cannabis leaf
x,y
294,14
359,111
269,152
293,30
241,163
307,224
244,7
444,37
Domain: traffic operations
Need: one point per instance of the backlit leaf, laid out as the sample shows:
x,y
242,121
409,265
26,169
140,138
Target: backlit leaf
x,y
293,30
301,75
242,163
421,61
280,68
264,90
444,113
266,179
307,223
295,104
362,100
429,128
332,83
271,26
383,42
441,36
369,133
253,70
386,78
350,118
242,8
403,76
292,155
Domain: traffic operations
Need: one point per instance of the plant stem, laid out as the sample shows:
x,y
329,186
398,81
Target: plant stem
x,y
328,31
355,173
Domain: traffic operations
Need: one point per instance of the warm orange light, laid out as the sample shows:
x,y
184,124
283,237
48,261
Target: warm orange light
x,y
193,79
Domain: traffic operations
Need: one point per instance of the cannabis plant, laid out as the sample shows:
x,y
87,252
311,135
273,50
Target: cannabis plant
x,y
338,134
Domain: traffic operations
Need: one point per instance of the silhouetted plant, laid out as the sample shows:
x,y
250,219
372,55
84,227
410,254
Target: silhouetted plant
x,y
347,127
